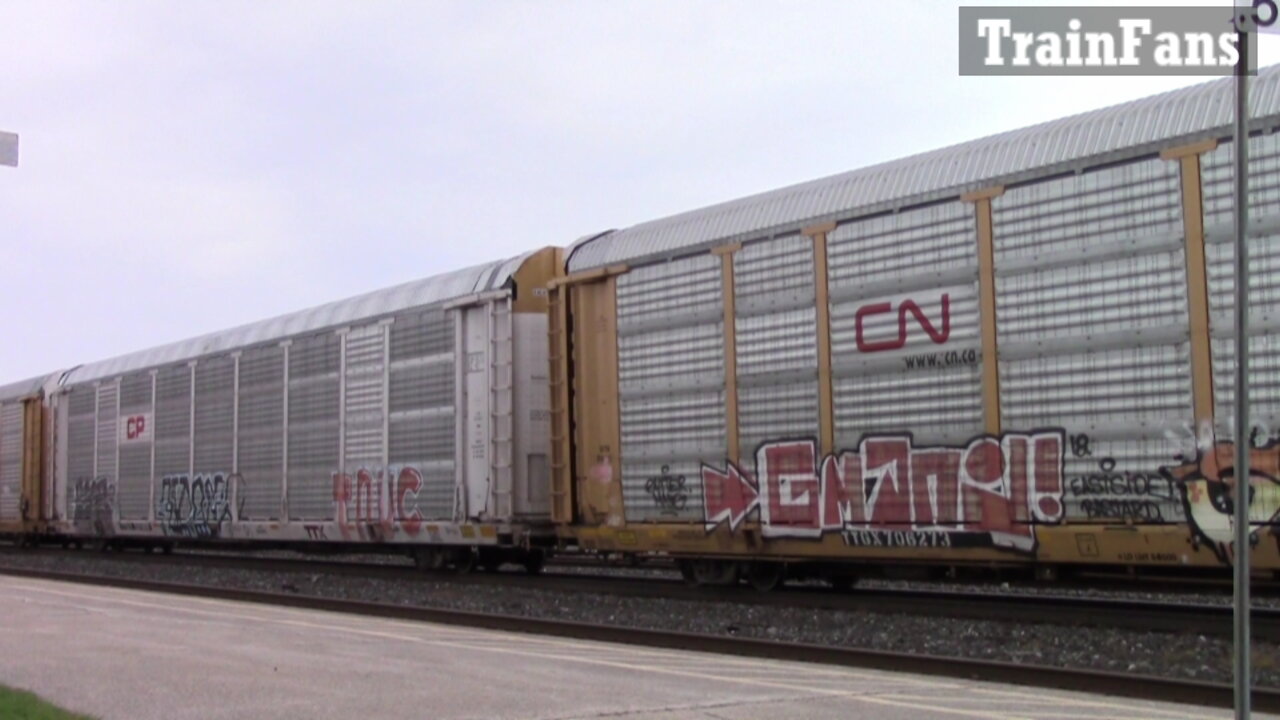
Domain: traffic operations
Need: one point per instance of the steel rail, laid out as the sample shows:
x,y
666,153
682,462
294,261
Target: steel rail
x,y
1040,608
1143,687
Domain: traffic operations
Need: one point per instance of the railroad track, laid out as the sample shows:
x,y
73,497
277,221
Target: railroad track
x,y
1129,614
1143,687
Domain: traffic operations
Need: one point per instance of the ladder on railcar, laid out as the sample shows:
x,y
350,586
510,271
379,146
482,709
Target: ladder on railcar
x,y
558,382
501,405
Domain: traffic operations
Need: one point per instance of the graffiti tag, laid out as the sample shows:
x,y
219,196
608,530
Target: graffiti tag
x,y
195,506
888,492
668,491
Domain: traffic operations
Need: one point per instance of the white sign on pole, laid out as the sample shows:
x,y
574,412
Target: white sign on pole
x,y
9,149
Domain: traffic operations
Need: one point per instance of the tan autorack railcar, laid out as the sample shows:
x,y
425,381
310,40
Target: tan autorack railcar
x,y
24,498
1015,350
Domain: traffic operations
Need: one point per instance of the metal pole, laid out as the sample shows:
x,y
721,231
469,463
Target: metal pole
x,y
1242,427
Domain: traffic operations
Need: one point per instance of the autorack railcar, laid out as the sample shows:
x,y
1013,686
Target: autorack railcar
x,y
1013,351
413,417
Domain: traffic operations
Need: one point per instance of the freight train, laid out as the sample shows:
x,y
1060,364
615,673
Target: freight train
x,y
1013,352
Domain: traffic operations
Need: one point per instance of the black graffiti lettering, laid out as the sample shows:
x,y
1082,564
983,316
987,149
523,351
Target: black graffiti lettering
x,y
315,532
898,538
93,505
1080,445
1107,493
668,491
196,506
1141,510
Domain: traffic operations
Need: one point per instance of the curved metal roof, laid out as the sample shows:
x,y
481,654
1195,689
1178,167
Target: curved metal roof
x,y
428,291
25,388
1119,132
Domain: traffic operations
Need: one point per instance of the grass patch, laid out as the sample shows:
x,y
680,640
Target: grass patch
x,y
21,705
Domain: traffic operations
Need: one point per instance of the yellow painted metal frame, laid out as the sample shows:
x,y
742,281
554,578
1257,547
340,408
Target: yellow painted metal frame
x,y
826,407
1188,159
558,384
733,450
597,464
981,200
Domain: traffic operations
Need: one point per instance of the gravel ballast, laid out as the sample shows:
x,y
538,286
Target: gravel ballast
x,y
1173,655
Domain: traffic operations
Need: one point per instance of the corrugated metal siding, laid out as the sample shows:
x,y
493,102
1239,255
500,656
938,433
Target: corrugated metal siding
x,y
215,415
671,384
173,423
1264,282
107,439
1092,325
421,405
260,448
362,308
1093,138
365,409
884,264
10,461
133,490
81,402
1217,172
1264,331
313,425
777,344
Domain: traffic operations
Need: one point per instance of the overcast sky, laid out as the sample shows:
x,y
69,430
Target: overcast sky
x,y
192,166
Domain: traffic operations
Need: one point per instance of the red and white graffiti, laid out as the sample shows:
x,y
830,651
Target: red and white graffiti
x,y
888,493
906,307
360,509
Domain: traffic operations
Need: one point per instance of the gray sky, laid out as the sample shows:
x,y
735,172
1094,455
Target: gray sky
x,y
191,166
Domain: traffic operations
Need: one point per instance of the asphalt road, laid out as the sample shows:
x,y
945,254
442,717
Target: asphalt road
x,y
135,656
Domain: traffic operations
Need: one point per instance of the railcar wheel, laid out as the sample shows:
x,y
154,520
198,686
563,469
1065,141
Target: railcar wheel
x,y
490,560
534,562
429,559
686,571
464,561
767,576
715,572
167,548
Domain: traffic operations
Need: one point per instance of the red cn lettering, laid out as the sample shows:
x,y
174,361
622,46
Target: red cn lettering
x,y
409,481
904,308
135,426
789,473
728,496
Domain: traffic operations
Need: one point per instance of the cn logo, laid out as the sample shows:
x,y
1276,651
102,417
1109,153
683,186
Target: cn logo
x,y
906,307
135,427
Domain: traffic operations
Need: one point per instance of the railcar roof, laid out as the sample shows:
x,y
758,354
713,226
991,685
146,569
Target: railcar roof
x,y
24,388
1120,132
436,289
